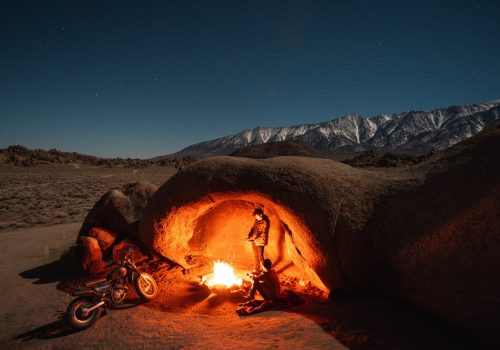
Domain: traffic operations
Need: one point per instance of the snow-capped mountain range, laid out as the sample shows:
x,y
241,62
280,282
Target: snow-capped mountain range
x,y
410,132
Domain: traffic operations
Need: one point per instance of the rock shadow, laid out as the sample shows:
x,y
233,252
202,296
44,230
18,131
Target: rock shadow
x,y
373,322
49,273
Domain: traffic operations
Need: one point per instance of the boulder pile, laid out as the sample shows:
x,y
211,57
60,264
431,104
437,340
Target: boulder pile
x,y
111,225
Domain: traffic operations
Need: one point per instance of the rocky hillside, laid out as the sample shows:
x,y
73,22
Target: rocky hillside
x,y
408,132
278,149
22,156
372,159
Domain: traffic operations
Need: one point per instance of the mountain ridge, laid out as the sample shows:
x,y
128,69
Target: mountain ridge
x,y
413,131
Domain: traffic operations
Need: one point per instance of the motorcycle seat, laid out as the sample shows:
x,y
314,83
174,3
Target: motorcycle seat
x,y
97,281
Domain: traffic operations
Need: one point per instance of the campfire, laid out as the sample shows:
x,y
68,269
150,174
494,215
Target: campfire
x,y
223,277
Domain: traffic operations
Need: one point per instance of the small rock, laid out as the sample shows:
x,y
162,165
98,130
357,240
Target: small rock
x,y
91,255
104,237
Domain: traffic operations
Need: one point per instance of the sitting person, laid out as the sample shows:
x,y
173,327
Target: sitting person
x,y
266,283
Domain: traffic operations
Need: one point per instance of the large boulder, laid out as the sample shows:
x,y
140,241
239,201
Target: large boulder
x,y
119,210
429,234
90,255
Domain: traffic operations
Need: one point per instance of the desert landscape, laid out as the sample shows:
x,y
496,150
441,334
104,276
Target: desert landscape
x,y
48,195
35,272
257,175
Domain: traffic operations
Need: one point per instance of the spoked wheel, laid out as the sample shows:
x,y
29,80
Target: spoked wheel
x,y
77,316
146,286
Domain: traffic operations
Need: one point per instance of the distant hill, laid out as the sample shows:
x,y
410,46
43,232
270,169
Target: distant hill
x,y
412,132
22,156
277,149
372,159
368,159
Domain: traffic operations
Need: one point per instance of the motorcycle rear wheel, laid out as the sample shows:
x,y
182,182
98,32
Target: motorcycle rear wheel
x,y
146,286
74,313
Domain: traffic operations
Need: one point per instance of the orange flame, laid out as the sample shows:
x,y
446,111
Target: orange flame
x,y
223,275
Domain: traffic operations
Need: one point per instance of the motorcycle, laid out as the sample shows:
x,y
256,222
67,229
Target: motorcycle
x,y
93,297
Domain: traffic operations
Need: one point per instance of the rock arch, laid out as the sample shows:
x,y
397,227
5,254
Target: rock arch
x,y
178,215
215,226
307,198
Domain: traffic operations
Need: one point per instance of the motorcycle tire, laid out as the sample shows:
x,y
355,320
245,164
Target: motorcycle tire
x,y
74,313
146,286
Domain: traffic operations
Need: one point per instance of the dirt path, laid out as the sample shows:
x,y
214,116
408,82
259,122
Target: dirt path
x,y
32,305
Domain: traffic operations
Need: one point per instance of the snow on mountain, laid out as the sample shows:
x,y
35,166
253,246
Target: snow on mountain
x,y
411,131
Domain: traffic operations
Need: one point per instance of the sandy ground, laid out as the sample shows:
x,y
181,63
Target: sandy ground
x,y
32,306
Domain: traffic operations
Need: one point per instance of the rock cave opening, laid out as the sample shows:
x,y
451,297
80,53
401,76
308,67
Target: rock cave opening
x,y
214,228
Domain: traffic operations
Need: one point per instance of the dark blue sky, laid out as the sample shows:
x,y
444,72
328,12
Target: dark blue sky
x,y
144,78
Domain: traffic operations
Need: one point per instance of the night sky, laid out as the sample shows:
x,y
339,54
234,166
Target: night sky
x,y
145,78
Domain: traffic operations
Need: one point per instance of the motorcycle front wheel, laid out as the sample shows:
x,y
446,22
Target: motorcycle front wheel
x,y
146,286
76,317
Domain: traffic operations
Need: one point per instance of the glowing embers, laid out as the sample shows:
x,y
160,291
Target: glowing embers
x,y
222,277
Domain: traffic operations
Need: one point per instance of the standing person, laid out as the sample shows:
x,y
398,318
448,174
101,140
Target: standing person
x,y
258,236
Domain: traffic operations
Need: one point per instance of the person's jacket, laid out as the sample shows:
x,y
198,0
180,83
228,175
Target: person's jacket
x,y
269,283
259,233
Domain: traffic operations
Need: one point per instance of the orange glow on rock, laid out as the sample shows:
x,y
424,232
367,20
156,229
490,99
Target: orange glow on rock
x,y
214,227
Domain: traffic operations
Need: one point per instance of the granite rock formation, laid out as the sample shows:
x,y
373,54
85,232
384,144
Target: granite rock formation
x,y
428,233
119,210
